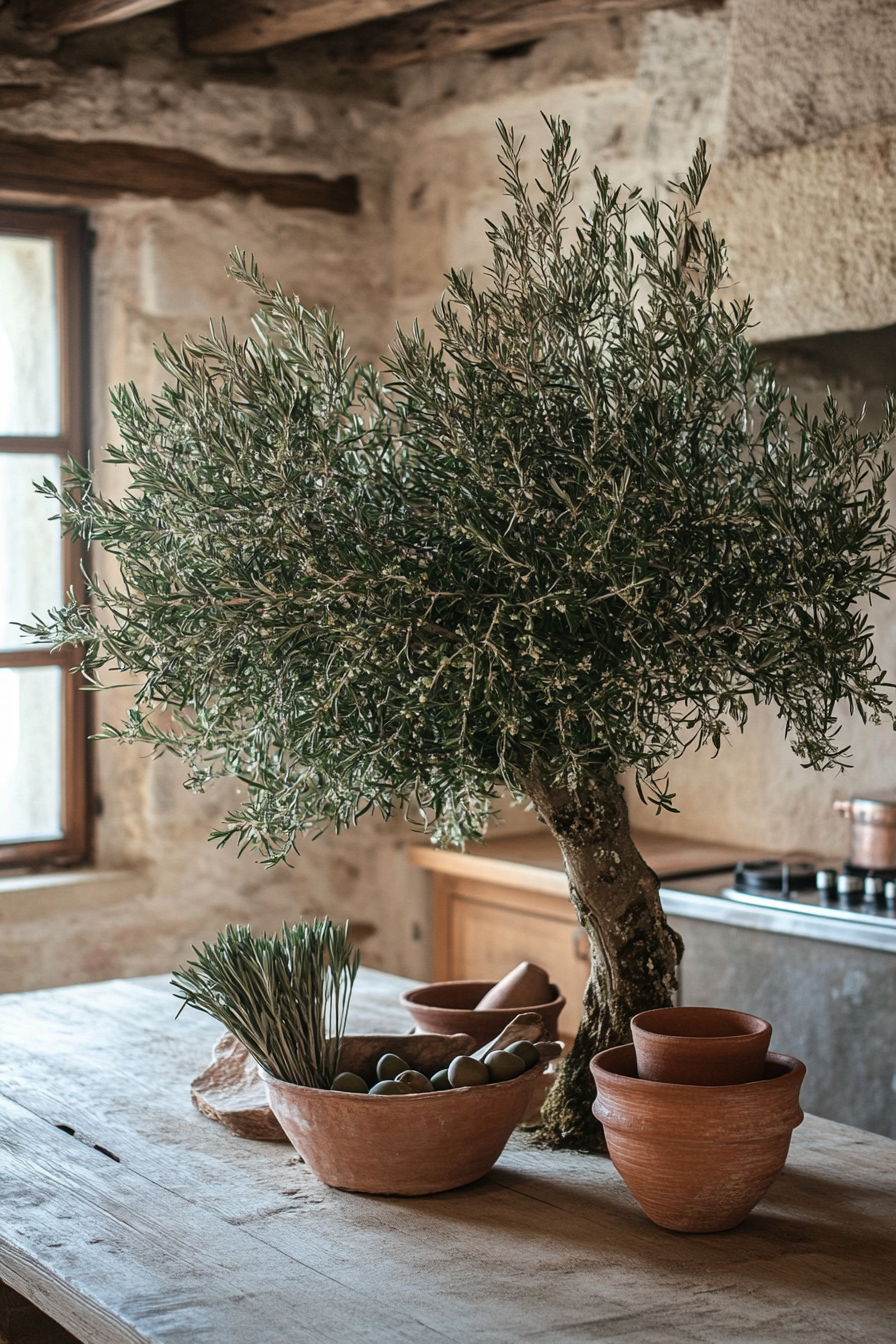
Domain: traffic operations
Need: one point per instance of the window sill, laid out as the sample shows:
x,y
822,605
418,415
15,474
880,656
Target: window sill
x,y
33,896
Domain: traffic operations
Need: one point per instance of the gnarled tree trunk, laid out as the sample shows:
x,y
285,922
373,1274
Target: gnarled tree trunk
x,y
634,953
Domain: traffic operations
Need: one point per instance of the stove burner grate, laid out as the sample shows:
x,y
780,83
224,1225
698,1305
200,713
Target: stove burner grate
x,y
885,874
766,877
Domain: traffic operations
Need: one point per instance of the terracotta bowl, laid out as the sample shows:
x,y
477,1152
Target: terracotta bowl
x,y
710,1047
450,1005
414,1145
697,1159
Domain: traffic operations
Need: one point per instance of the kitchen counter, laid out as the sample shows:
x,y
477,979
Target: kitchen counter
x,y
696,879
128,1216
825,977
713,898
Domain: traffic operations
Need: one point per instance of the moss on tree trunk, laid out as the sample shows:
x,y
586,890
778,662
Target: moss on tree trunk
x,y
634,953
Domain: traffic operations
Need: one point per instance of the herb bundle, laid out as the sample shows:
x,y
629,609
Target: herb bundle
x,y
285,997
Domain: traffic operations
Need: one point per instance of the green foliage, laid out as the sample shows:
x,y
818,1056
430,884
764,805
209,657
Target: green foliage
x,y
578,532
285,997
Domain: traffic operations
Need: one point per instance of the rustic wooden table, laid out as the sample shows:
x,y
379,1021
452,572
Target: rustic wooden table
x,y
128,1216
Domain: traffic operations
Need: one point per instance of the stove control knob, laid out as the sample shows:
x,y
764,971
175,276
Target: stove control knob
x,y
849,885
890,895
825,879
874,887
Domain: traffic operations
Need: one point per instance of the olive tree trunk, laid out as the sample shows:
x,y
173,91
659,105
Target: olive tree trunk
x,y
634,953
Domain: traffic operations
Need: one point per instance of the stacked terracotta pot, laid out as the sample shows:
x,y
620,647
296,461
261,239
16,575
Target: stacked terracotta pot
x,y
698,1114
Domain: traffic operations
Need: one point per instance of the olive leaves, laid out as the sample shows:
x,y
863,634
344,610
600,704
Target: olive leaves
x,y
575,532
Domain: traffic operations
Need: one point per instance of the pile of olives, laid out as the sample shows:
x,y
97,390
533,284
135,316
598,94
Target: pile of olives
x,y
396,1078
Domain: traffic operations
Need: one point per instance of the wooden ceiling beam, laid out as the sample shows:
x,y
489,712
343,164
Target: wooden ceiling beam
x,y
109,168
379,34
228,27
462,26
72,16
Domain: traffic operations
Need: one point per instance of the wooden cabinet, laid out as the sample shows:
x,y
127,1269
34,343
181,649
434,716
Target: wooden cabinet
x,y
508,901
482,930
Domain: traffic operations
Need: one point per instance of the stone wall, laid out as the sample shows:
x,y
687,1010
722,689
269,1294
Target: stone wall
x,y
797,102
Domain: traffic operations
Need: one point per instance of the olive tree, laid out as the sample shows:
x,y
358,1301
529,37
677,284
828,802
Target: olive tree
x,y
575,533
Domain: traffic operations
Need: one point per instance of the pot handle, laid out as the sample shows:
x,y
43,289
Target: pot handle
x,y
843,806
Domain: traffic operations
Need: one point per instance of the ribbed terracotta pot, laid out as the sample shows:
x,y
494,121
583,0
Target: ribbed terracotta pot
x,y
413,1145
697,1159
711,1047
450,1006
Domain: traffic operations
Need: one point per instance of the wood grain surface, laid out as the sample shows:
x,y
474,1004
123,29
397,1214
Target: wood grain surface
x,y
107,168
194,1235
532,862
232,26
459,26
670,856
71,16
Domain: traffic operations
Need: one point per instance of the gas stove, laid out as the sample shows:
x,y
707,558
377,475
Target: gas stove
x,y
858,893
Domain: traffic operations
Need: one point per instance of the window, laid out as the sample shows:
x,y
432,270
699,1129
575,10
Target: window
x,y
43,728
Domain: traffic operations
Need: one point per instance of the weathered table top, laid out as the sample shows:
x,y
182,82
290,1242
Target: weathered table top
x,y
152,1223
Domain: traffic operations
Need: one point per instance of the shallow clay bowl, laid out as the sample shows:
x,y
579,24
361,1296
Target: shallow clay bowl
x,y
450,1005
697,1159
412,1145
712,1047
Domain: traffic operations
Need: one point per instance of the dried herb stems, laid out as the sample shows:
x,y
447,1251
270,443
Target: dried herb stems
x,y
285,997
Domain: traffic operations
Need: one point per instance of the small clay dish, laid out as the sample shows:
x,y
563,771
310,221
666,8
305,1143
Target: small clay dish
x,y
697,1159
700,1047
449,1006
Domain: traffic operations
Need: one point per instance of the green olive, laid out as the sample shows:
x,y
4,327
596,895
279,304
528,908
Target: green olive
x,y
390,1066
526,1051
390,1088
414,1081
502,1065
349,1082
440,1081
465,1071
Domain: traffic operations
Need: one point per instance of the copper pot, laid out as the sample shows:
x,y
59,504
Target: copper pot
x,y
872,831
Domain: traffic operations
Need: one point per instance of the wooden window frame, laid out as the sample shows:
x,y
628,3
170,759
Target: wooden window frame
x,y
68,229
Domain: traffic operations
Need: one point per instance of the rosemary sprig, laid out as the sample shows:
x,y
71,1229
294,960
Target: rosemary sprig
x,y
285,997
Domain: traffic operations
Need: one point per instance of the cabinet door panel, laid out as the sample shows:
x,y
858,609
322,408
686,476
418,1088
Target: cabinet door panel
x,y
486,941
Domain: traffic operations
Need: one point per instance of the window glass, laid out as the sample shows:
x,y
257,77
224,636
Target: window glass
x,y
44,804
30,753
30,543
29,339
